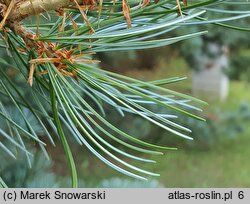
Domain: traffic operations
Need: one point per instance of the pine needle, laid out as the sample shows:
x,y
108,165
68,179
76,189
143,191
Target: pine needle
x,y
99,11
113,7
85,18
38,24
145,3
31,74
179,7
126,11
11,6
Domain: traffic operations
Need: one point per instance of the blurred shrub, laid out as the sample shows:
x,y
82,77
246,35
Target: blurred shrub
x,y
240,65
124,61
14,114
16,173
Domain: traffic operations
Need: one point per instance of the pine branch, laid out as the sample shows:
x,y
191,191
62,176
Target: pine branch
x,y
26,8
60,59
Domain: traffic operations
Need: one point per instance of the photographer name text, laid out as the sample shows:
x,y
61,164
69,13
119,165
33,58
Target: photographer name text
x,y
57,195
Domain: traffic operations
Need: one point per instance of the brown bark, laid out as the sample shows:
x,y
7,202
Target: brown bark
x,y
25,8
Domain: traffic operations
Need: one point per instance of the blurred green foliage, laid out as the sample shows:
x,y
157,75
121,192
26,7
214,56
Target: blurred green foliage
x,y
240,65
18,174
